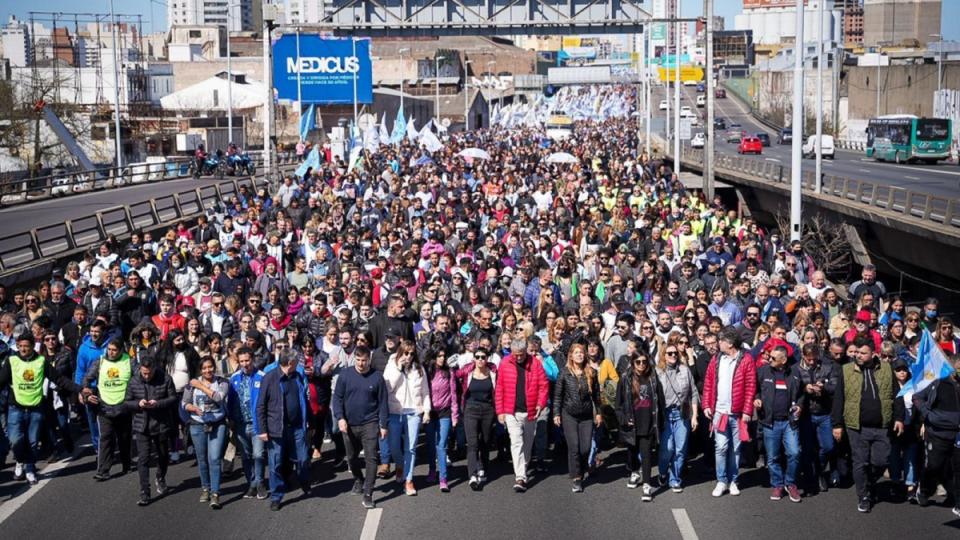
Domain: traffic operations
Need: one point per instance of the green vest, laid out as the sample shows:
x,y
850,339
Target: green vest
x,y
113,378
27,380
853,386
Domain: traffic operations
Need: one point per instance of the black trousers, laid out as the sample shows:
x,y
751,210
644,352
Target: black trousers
x,y
478,428
364,436
870,449
942,455
115,433
147,445
640,455
579,436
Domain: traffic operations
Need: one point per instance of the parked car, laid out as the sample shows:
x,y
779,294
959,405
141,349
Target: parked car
x,y
719,123
663,104
720,93
701,101
764,138
698,140
750,145
785,136
734,135
826,147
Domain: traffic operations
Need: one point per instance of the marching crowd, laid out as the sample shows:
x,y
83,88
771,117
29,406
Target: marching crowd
x,y
428,308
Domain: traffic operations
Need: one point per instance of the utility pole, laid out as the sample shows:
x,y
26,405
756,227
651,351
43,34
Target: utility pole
x,y
708,186
676,94
116,85
796,183
401,51
269,12
466,96
818,183
436,63
646,78
230,77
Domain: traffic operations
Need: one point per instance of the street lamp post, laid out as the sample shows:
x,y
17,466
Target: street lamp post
x,y
116,86
818,183
230,6
676,94
466,97
436,73
401,51
708,175
796,178
646,78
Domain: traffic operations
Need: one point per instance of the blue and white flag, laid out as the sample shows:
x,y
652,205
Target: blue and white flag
x,y
384,133
313,160
308,121
399,128
931,365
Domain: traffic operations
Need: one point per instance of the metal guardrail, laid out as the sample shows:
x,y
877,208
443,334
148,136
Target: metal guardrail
x,y
44,245
933,209
28,190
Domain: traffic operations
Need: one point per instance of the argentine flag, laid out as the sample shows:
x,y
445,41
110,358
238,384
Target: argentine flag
x,y
931,365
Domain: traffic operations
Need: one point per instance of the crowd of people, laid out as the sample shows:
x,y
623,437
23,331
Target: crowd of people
x,y
425,308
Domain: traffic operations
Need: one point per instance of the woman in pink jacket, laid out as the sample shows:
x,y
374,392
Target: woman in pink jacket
x,y
444,413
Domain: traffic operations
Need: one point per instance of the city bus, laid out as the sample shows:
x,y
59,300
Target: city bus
x,y
905,138
559,126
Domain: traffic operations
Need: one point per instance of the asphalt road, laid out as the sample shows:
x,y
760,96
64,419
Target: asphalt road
x,y
71,504
942,179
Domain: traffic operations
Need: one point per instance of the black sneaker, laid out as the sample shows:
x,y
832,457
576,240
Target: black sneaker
x,y
865,505
100,477
368,502
921,499
144,498
262,491
274,505
474,483
520,486
577,486
161,487
357,487
215,501
824,482
307,490
251,493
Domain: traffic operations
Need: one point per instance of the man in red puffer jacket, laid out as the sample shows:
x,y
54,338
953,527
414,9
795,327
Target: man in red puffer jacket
x,y
728,391
168,318
521,395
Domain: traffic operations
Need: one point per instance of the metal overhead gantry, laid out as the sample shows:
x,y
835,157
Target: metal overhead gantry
x,y
398,18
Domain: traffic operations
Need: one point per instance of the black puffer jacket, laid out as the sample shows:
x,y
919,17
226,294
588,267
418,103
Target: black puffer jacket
x,y
826,372
158,420
574,396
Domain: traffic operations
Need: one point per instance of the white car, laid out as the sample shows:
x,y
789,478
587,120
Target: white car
x,y
685,110
663,104
826,147
694,119
701,100
698,140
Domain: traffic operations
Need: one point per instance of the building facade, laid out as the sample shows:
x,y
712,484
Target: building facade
x,y
236,15
900,22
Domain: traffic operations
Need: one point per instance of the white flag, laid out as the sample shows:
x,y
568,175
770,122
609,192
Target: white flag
x,y
384,134
412,130
430,141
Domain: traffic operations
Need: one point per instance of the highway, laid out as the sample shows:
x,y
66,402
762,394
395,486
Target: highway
x,y
72,504
942,179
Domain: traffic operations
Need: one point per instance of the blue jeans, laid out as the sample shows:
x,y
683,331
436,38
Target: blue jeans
x,y
781,436
903,461
251,448
673,444
294,446
91,414
23,430
727,449
209,449
403,431
385,457
816,431
437,432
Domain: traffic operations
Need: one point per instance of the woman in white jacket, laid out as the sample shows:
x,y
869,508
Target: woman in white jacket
x,y
408,396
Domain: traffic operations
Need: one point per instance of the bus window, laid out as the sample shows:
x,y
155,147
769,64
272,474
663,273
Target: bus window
x,y
931,129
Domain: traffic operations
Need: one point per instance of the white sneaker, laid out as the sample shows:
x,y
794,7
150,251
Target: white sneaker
x,y
18,471
719,490
327,439
174,457
647,493
634,481
32,478
481,473
734,490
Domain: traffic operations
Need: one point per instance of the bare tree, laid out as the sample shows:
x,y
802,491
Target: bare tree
x,y
826,242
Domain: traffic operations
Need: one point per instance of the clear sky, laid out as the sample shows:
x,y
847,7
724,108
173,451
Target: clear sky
x,y
154,11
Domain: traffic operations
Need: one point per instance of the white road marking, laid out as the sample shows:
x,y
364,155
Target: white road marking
x,y
687,531
21,496
370,524
864,170
911,167
911,177
772,159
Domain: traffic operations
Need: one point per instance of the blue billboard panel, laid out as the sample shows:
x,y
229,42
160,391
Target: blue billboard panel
x,y
328,69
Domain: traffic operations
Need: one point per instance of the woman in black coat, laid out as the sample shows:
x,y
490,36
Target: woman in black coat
x,y
639,405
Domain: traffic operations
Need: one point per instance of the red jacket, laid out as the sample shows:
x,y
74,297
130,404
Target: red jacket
x,y
165,325
536,384
744,386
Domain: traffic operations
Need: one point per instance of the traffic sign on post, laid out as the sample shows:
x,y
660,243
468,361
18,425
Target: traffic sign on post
x,y
686,126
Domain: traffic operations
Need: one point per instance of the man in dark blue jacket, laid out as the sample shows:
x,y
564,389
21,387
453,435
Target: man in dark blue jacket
x,y
939,406
282,424
360,402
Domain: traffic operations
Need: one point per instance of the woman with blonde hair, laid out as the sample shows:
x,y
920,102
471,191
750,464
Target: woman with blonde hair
x,y
554,335
576,408
681,402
